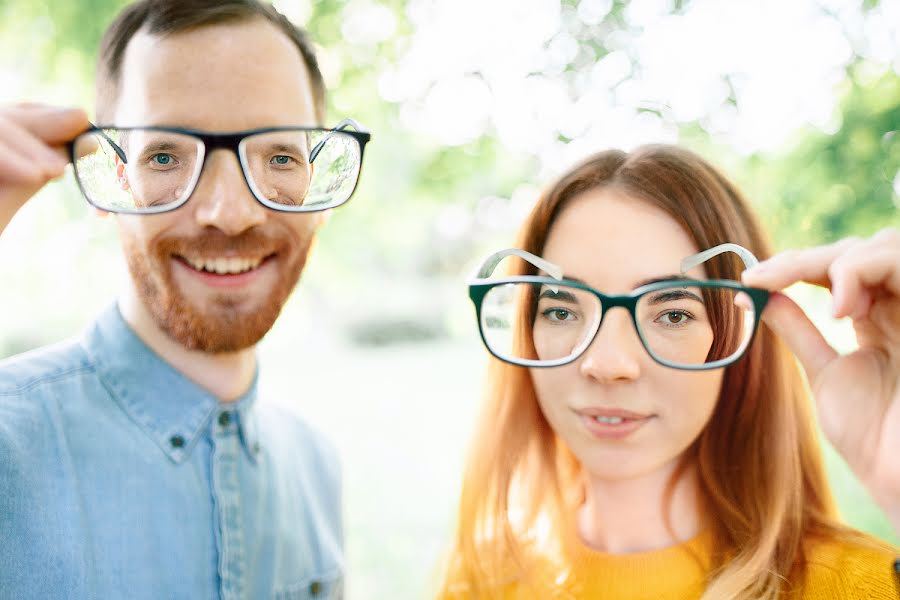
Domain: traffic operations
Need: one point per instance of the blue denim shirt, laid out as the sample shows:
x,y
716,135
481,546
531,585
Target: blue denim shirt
x,y
120,478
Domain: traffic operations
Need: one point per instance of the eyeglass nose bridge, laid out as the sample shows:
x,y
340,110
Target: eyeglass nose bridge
x,y
629,303
221,141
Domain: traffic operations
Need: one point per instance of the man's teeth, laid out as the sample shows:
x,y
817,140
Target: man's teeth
x,y
609,420
224,266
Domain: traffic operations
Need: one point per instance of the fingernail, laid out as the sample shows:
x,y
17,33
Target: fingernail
x,y
751,273
837,311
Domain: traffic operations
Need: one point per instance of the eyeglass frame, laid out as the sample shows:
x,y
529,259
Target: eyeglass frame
x,y
229,141
480,285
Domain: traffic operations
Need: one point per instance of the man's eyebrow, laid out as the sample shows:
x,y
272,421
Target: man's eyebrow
x,y
286,147
159,146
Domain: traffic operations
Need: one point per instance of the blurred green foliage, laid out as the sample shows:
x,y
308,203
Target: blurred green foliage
x,y
833,185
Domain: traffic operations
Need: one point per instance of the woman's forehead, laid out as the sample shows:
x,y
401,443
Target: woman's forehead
x,y
607,238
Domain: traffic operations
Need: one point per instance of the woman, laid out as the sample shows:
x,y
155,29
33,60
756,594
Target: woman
x,y
668,453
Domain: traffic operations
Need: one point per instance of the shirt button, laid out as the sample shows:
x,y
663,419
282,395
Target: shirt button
x,y
314,588
225,418
177,441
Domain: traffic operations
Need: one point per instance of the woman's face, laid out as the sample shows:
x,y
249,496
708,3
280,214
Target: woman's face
x,y
613,242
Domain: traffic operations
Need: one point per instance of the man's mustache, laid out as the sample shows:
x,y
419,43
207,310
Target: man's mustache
x,y
252,242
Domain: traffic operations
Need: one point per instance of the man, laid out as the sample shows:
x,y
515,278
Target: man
x,y
135,462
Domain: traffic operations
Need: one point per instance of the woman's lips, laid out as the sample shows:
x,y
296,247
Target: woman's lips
x,y
612,423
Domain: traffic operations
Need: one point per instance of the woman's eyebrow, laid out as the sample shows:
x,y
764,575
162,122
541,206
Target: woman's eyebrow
x,y
557,294
673,277
678,277
663,296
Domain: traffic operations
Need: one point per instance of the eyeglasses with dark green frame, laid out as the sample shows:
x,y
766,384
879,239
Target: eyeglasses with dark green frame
x,y
682,323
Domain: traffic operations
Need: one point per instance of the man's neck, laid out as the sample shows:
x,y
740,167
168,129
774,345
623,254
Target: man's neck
x,y
227,376
625,516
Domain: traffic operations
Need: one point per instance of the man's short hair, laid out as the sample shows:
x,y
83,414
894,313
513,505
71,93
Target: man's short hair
x,y
166,17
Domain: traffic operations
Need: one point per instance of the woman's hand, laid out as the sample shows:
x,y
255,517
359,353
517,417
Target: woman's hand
x,y
32,150
857,394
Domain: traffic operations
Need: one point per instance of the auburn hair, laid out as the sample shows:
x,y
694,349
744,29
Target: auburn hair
x,y
169,17
759,465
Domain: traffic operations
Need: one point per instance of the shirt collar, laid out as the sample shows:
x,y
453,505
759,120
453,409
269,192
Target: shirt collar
x,y
171,409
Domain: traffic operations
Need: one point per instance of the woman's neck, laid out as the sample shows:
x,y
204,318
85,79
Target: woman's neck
x,y
625,516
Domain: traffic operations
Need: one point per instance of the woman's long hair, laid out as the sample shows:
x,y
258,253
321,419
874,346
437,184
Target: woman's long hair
x,y
758,460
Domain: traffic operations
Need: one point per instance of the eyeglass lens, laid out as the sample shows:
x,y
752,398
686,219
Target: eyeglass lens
x,y
682,326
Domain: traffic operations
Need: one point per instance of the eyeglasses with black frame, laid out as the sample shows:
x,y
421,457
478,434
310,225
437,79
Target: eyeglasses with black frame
x,y
150,170
682,323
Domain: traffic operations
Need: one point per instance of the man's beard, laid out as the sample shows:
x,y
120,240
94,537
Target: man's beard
x,y
222,325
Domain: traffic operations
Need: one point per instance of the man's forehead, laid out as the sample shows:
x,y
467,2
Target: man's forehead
x,y
222,77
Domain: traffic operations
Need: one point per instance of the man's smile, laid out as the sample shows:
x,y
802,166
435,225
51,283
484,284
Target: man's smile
x,y
223,265
225,271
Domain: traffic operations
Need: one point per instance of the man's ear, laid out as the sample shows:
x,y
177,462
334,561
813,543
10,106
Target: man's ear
x,y
121,179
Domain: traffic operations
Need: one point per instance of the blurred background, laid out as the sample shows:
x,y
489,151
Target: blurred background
x,y
473,106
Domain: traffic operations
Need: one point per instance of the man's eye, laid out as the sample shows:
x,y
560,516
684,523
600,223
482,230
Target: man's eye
x,y
281,160
162,159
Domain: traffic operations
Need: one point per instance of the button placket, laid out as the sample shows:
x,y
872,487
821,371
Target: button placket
x,y
226,446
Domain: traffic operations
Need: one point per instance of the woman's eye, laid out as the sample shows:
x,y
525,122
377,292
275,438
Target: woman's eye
x,y
674,317
559,314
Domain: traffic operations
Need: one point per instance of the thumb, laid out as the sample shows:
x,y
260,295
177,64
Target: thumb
x,y
790,323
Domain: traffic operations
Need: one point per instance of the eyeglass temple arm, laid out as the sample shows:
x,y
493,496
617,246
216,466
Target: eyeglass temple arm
x,y
490,263
118,150
745,255
339,127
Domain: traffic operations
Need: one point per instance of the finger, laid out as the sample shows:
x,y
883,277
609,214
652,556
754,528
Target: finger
x,y
52,125
791,324
25,145
858,275
17,169
791,266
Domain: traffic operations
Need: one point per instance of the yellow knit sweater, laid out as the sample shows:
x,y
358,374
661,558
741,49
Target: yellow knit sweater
x,y
836,571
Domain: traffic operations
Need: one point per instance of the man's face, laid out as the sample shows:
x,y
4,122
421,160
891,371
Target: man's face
x,y
215,272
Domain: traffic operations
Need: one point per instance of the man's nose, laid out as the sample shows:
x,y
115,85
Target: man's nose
x,y
223,199
616,352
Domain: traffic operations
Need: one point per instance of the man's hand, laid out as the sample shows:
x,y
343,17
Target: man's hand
x,y
32,151
858,394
